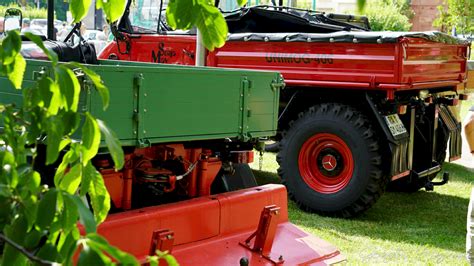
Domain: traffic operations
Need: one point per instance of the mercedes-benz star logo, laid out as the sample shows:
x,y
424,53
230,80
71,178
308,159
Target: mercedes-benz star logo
x,y
329,162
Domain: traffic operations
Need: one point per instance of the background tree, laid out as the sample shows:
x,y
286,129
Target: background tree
x,y
458,14
388,15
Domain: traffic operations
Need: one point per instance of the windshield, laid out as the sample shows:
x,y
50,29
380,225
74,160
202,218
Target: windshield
x,y
144,15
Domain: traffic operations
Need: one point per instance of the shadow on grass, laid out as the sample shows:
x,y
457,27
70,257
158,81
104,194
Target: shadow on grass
x,y
265,177
421,218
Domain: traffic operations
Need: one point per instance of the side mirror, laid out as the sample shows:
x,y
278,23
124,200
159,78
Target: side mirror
x,y
13,19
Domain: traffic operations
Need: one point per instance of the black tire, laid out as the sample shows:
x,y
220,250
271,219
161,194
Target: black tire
x,y
366,182
272,147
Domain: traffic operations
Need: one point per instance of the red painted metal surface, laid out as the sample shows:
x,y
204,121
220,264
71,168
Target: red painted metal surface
x,y
207,230
326,163
410,64
139,170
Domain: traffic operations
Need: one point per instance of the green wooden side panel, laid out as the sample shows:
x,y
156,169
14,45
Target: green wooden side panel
x,y
152,103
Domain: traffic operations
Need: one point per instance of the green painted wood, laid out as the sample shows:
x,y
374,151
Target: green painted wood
x,y
153,103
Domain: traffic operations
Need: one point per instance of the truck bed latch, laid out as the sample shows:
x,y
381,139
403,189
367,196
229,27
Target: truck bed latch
x,y
161,240
265,235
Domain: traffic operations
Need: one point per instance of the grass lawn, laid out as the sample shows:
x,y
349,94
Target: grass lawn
x,y
419,228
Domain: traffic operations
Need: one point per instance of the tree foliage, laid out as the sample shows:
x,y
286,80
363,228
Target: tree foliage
x,y
43,220
458,14
28,11
388,15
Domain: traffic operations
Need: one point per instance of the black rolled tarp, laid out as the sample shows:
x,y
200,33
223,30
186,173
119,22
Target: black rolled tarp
x,y
264,23
346,37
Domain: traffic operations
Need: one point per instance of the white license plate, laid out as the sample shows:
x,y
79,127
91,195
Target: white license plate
x,y
395,125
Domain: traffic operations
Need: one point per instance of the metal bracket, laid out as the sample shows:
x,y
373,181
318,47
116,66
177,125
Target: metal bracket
x,y
245,110
265,235
161,240
137,113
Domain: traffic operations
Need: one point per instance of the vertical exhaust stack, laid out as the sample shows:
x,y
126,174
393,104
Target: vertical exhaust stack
x,y
51,35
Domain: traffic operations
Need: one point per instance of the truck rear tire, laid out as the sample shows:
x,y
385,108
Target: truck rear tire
x,y
330,161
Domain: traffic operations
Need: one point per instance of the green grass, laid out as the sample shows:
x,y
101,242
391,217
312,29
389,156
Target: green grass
x,y
418,228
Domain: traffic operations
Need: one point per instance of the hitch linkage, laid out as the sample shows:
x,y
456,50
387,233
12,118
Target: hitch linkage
x,y
429,186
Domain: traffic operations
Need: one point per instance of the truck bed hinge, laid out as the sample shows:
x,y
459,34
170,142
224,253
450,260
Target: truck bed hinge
x,y
246,113
265,234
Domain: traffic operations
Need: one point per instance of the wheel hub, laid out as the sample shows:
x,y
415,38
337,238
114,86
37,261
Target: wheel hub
x,y
329,162
326,163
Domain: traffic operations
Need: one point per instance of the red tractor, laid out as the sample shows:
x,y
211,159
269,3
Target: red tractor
x,y
188,135
361,111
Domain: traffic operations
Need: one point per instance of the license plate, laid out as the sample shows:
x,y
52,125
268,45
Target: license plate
x,y
395,125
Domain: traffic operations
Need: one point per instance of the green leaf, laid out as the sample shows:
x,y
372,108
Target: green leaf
x,y
11,46
69,158
78,9
53,140
18,70
87,176
69,87
113,144
89,256
113,9
31,180
53,57
72,179
85,216
241,2
170,260
68,246
30,210
70,214
50,95
90,139
32,239
17,233
180,14
71,122
48,252
152,260
97,81
64,142
99,243
99,196
212,25
5,191
47,209
183,14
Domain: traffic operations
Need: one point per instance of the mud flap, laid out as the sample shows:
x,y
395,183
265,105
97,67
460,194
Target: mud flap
x,y
453,128
399,141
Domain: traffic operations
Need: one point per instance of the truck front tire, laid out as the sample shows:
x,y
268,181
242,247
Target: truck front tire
x,y
330,161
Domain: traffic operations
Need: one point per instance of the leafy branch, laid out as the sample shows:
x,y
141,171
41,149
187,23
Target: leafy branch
x,y
25,252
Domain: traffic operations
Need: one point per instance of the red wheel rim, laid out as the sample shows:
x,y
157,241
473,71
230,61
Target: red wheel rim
x,y
325,163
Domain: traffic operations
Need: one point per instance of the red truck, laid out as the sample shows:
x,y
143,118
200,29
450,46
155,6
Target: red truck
x,y
361,110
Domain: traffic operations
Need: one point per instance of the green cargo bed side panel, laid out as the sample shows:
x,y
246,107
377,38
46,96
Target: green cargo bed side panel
x,y
152,103
164,104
